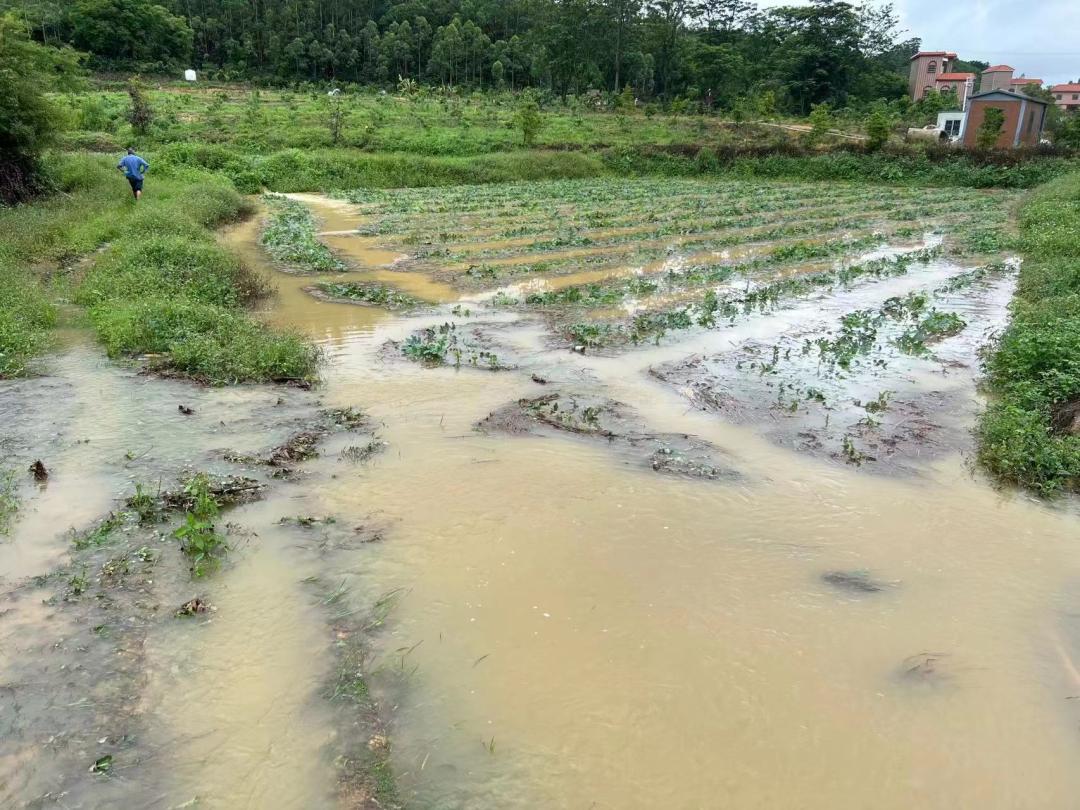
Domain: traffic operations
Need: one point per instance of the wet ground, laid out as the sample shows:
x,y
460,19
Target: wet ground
x,y
704,571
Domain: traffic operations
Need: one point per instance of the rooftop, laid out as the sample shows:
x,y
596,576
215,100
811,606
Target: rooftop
x,y
999,69
1073,87
1025,80
1009,94
946,54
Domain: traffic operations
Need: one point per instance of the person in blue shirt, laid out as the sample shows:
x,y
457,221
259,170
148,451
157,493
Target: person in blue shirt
x,y
134,168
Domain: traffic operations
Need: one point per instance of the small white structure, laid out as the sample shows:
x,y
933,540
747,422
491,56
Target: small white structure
x,y
335,92
189,75
952,124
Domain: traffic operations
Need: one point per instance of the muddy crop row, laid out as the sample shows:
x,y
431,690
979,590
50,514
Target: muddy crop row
x,y
601,195
708,234
563,232
486,214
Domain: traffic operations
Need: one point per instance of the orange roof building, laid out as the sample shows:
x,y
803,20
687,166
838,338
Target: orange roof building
x,y
926,66
1067,96
963,84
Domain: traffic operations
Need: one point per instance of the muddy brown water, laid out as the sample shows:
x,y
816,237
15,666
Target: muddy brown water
x,y
572,630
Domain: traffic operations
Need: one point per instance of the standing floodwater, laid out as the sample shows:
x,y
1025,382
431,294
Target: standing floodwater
x,y
651,520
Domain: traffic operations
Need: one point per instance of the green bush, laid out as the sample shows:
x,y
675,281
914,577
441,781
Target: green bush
x,y
1018,445
706,161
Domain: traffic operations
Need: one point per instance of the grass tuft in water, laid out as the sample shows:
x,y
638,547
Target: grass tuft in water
x,y
291,237
198,537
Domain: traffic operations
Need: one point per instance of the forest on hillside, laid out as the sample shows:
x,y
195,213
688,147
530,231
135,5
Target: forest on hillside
x,y
717,51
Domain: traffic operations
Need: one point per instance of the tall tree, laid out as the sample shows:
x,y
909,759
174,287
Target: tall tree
x,y
28,120
129,32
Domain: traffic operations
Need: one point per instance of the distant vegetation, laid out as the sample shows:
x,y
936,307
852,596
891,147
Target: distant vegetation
x,y
723,52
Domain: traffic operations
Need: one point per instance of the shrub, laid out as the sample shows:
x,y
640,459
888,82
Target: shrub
x,y
529,121
140,114
705,161
987,134
820,123
878,127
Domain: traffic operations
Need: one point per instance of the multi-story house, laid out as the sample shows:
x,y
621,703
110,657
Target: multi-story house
x,y
998,77
926,66
1067,96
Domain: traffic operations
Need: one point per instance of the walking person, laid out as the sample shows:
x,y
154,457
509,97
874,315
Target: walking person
x,y
134,168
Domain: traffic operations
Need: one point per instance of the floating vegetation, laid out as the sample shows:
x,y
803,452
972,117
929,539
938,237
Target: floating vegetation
x,y
378,295
445,345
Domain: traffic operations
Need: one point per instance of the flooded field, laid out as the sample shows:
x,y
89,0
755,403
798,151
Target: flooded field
x,y
660,497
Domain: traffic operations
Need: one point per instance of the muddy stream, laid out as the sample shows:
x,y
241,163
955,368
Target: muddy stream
x,y
567,625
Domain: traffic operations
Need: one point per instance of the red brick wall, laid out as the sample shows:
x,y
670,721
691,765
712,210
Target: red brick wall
x,y
977,112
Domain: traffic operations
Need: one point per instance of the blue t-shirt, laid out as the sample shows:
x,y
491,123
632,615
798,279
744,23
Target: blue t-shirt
x,y
133,166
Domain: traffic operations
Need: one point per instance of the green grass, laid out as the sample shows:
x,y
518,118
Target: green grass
x,y
205,341
1034,368
152,275
327,169
170,264
26,315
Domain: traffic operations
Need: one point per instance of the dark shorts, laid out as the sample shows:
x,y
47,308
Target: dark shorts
x,y
136,183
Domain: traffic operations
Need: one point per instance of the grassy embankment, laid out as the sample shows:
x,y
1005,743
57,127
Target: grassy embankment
x,y
160,284
1028,434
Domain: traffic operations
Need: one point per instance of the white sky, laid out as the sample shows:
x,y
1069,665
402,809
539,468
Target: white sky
x,y
1040,38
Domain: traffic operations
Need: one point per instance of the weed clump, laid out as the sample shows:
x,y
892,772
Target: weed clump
x,y
443,345
290,236
198,537
935,326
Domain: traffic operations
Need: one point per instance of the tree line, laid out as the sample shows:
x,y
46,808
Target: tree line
x,y
715,51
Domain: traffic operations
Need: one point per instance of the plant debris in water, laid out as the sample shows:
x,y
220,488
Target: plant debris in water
x,y
445,345
367,293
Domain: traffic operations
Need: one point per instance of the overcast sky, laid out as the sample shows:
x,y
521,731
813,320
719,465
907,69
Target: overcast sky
x,y
1040,38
